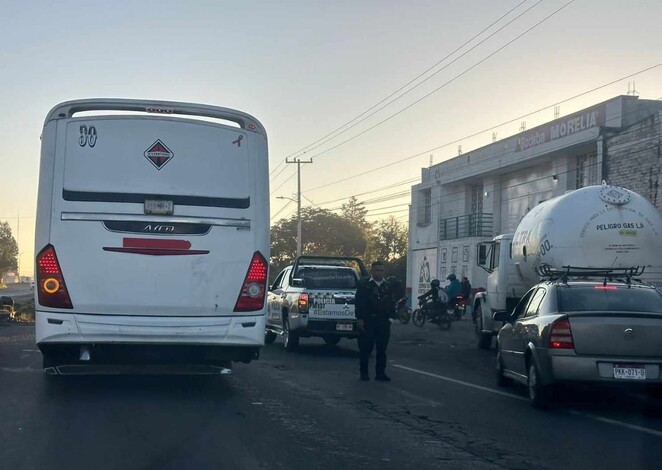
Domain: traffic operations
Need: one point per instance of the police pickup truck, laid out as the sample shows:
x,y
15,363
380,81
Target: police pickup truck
x,y
314,297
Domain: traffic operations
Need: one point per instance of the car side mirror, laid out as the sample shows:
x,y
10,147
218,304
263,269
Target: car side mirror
x,y
298,283
501,316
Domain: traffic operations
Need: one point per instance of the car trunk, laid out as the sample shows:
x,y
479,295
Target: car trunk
x,y
119,256
629,334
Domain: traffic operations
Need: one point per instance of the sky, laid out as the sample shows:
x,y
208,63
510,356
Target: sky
x,y
305,68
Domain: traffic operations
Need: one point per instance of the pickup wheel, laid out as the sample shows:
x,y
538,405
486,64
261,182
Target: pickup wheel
x,y
331,340
290,339
269,337
483,340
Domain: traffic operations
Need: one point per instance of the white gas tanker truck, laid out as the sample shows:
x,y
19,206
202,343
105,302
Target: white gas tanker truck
x,y
593,227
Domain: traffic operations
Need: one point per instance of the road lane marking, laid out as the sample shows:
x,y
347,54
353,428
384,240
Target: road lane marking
x,y
615,422
461,382
601,419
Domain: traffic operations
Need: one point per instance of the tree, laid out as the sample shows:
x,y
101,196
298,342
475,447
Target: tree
x,y
8,248
323,233
388,243
355,212
388,240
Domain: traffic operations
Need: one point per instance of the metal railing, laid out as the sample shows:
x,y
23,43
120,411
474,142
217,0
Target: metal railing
x,y
479,224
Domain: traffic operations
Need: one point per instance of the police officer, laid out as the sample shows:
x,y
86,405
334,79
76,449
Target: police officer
x,y
374,306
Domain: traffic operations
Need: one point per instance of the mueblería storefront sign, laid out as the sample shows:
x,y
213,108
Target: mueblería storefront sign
x,y
564,127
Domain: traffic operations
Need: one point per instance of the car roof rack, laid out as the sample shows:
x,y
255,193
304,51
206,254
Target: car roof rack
x,y
612,274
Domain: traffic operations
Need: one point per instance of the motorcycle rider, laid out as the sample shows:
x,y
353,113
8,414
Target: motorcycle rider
x,y
438,301
453,290
466,288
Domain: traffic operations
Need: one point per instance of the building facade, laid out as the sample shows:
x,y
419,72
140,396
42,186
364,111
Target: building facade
x,y
487,191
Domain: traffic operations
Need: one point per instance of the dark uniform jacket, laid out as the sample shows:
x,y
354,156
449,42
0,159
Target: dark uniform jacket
x,y
373,301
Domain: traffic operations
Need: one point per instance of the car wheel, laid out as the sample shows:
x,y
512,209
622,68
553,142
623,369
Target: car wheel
x,y
269,337
539,394
418,317
290,339
483,340
501,380
332,340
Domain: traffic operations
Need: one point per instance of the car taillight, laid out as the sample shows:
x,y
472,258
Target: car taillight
x,y
251,296
303,303
560,335
52,290
605,287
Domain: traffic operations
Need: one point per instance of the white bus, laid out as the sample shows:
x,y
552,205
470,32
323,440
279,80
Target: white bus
x,y
152,237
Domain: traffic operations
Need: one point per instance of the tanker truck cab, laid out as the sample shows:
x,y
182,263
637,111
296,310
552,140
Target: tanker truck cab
x,y
495,257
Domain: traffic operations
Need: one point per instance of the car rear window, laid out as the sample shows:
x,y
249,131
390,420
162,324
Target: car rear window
x,y
610,299
328,278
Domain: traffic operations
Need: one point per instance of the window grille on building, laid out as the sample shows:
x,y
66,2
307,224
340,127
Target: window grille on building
x,y
587,170
425,207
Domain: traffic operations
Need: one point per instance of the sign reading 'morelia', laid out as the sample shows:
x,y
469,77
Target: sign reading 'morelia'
x,y
560,128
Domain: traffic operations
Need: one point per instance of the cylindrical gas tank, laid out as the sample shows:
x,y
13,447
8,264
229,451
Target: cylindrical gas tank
x,y
597,227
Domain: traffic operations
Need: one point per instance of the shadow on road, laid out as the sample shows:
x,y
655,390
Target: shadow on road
x,y
168,387
317,350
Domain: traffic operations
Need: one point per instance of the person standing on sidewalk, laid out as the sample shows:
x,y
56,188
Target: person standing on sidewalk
x,y
374,307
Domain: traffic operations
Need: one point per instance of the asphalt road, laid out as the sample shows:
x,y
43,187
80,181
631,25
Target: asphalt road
x,y
309,410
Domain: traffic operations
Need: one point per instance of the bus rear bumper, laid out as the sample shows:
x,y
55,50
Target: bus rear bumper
x,y
113,339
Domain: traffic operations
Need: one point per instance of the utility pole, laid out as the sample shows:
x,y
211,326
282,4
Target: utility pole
x,y
298,163
18,242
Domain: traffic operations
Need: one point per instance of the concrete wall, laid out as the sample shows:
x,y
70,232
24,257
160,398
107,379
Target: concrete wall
x,y
632,158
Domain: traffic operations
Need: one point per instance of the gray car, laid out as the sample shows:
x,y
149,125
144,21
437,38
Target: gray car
x,y
603,333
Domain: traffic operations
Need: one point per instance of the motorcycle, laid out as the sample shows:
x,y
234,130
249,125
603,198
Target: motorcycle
x,y
459,308
438,313
402,312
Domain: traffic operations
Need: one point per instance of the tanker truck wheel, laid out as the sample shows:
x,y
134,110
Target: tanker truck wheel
x,y
483,340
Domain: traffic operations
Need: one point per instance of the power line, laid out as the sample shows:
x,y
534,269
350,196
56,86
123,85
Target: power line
x,y
283,183
312,146
406,193
475,134
278,174
445,197
446,83
281,209
372,191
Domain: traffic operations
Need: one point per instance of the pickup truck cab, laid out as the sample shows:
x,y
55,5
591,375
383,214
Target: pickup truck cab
x,y
314,297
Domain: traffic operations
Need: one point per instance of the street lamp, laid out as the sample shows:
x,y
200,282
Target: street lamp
x,y
298,201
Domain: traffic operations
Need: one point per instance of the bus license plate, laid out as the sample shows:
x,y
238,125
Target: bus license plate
x,y
344,327
159,207
629,373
